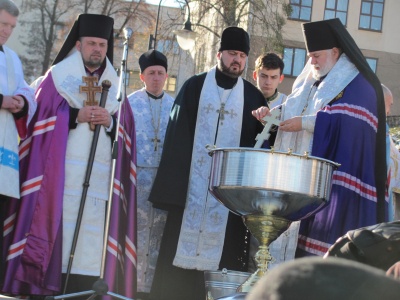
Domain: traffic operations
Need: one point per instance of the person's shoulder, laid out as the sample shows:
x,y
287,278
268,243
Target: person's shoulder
x,y
195,81
197,77
168,96
135,93
251,88
248,85
11,51
14,55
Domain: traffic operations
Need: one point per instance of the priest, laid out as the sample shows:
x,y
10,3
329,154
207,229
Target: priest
x,y
151,106
17,106
212,108
54,161
336,111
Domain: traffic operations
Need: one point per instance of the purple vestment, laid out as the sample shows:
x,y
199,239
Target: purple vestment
x,y
33,225
346,133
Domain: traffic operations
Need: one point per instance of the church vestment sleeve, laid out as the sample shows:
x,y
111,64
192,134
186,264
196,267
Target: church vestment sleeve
x,y
73,117
24,111
308,123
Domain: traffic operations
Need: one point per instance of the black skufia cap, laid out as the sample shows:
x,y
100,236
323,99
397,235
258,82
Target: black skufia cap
x,y
89,25
235,38
152,58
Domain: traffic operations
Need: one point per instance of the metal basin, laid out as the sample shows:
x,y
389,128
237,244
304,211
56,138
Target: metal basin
x,y
223,283
251,181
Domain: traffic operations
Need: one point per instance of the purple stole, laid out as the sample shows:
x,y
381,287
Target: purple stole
x,y
346,133
33,225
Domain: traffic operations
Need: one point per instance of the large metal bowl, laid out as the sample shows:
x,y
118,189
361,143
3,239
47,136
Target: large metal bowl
x,y
251,181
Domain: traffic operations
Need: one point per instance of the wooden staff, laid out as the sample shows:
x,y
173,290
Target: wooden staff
x,y
106,84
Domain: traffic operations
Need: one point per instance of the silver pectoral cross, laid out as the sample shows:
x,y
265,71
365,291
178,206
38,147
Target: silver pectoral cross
x,y
270,120
222,112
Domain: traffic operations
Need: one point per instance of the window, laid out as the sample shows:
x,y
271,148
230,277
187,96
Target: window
x,y
294,59
168,46
301,10
336,9
371,15
133,81
170,84
372,63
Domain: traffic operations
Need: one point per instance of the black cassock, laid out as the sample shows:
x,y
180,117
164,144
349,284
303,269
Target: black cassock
x,y
171,184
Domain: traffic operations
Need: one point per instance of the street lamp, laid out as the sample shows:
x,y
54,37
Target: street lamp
x,y
186,37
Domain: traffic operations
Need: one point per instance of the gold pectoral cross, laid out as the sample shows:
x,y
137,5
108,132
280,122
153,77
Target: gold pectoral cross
x,y
90,89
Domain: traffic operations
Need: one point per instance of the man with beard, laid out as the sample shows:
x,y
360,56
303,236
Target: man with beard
x,y
54,162
336,111
201,234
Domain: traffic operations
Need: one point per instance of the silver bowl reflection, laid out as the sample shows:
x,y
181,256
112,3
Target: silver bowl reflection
x,y
269,190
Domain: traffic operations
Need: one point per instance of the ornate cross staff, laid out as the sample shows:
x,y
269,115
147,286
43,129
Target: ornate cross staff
x,y
270,120
90,89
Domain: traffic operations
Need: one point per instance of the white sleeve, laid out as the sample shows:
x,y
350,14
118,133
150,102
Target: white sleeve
x,y
24,89
308,123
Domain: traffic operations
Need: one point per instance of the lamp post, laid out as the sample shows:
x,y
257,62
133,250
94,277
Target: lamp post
x,y
153,39
186,37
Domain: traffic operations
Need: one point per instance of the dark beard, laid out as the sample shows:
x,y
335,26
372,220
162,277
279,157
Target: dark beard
x,y
91,64
225,69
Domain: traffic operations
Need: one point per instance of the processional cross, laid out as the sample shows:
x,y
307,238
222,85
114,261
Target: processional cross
x,y
270,120
90,89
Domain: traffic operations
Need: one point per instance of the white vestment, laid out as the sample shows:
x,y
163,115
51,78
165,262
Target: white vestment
x,y
67,76
204,220
149,114
11,83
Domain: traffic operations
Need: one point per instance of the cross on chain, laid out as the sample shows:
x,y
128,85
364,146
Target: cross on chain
x,y
90,89
270,120
222,112
155,141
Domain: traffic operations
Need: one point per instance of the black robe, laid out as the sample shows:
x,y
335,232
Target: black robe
x,y
171,185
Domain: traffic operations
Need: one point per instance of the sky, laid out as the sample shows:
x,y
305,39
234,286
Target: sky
x,y
164,2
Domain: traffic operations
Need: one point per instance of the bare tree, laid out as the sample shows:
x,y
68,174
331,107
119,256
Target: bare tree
x,y
42,23
265,17
263,20
48,21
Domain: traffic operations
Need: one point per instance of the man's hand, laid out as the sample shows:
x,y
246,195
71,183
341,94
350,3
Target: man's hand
x,y
394,270
291,125
261,113
95,115
13,104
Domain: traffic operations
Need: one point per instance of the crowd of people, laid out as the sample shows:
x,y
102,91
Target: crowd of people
x,y
149,159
